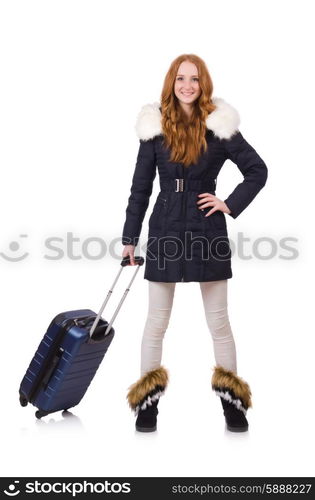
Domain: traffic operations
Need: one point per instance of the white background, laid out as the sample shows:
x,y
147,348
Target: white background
x,y
74,75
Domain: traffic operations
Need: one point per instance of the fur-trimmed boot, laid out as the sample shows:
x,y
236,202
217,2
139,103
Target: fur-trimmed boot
x,y
235,397
143,397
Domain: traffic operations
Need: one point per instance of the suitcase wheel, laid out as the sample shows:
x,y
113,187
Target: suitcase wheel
x,y
40,413
23,400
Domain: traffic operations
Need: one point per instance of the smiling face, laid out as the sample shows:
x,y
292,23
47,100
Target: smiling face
x,y
186,87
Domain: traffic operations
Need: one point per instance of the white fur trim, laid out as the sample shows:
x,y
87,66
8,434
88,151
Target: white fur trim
x,y
223,121
148,401
148,123
236,402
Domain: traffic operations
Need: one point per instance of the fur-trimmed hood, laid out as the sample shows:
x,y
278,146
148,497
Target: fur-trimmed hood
x,y
223,121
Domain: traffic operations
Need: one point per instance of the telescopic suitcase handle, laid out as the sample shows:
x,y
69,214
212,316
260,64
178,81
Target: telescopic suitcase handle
x,y
125,262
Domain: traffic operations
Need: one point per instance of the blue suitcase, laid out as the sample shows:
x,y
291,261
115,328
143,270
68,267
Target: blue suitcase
x,y
69,355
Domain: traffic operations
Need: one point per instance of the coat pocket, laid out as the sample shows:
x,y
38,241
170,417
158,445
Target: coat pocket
x,y
158,215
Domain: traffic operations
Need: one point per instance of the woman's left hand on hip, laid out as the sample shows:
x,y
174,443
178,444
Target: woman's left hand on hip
x,y
210,200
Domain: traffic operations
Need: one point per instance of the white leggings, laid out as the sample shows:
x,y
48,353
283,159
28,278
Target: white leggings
x,y
214,296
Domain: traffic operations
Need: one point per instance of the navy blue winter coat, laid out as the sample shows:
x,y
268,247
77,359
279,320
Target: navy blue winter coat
x,y
183,245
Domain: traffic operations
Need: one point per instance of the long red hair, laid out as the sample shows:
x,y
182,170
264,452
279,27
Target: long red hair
x,y
186,136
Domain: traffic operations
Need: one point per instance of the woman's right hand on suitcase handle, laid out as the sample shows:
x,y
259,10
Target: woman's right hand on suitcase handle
x,y
129,251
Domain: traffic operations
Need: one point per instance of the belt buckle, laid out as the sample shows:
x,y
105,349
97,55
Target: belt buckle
x,y
179,185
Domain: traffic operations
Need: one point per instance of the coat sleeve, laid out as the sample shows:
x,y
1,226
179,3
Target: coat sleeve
x,y
140,192
253,169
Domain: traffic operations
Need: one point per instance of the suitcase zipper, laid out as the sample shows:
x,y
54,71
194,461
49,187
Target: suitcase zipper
x,y
48,368
54,349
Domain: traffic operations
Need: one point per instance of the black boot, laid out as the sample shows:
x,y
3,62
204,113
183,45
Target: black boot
x,y
146,419
143,397
235,419
235,397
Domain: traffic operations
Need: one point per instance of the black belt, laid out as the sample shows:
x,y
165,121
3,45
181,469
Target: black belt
x,y
180,185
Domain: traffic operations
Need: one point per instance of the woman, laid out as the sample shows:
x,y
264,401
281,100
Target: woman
x,y
188,137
